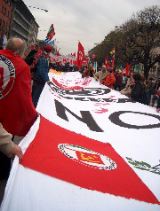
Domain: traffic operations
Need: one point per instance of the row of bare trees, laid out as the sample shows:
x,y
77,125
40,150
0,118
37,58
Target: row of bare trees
x,y
137,41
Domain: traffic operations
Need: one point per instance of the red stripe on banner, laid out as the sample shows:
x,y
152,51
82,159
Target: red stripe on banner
x,y
85,162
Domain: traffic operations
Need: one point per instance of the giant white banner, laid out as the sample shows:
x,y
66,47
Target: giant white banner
x,y
92,149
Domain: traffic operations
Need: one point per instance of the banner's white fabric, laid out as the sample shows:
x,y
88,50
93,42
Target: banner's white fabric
x,y
131,128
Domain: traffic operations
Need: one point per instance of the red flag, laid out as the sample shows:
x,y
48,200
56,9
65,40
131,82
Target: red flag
x,y
128,67
110,63
107,64
85,162
80,55
57,52
50,33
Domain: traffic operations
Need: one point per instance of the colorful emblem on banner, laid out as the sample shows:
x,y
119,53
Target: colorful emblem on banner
x,y
87,157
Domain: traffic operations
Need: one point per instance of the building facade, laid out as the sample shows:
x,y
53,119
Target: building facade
x,y
33,32
23,23
6,11
16,20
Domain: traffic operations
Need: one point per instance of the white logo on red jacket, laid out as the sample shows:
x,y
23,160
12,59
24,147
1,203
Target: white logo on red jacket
x,y
7,76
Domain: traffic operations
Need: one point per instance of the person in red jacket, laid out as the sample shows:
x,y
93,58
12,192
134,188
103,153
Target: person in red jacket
x,y
110,79
17,112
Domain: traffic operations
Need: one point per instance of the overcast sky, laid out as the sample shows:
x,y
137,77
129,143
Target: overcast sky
x,y
87,21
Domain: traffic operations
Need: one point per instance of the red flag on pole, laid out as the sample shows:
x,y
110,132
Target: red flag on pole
x,y
80,55
107,63
50,34
128,66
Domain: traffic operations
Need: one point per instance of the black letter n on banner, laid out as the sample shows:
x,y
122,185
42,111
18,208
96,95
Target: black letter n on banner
x,y
86,116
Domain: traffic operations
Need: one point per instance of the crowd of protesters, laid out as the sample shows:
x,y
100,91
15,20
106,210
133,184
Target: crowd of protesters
x,y
133,85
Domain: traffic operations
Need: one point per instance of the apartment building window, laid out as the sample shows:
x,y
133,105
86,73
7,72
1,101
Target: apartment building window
x,y
4,10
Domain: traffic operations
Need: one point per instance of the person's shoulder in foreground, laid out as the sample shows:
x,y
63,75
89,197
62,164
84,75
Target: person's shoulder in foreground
x,y
16,90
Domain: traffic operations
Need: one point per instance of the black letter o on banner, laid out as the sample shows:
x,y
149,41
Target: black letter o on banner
x,y
116,120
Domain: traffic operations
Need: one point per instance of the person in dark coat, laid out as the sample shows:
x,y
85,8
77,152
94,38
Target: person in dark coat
x,y
40,76
138,91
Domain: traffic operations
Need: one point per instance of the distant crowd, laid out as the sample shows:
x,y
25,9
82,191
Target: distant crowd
x,y
133,85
